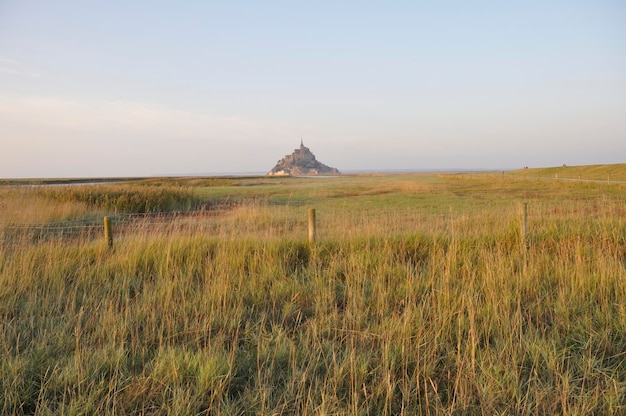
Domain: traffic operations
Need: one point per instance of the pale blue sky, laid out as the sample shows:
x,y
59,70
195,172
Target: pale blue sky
x,y
122,88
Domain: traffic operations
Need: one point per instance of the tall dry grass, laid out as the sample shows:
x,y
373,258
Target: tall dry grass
x,y
423,300
24,206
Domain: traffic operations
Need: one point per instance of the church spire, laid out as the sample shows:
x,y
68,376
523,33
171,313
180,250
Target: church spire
x,y
301,142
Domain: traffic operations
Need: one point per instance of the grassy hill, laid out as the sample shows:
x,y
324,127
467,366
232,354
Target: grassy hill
x,y
617,172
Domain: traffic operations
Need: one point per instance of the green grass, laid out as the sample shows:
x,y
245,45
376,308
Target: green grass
x,y
616,172
420,297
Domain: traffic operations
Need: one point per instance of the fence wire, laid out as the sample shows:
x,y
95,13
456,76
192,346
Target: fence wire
x,y
264,222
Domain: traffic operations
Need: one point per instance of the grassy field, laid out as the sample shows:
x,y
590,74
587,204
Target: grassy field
x,y
420,297
616,172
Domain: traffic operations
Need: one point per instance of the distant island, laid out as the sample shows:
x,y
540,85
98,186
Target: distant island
x,y
301,162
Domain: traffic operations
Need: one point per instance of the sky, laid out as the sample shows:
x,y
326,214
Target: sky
x,y
139,88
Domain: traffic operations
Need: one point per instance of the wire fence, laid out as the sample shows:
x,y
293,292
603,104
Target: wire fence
x,y
214,222
265,222
505,175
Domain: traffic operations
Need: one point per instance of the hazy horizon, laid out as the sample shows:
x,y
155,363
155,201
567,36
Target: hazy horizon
x,y
118,89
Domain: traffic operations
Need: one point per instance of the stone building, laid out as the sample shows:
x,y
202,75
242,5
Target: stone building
x,y
301,162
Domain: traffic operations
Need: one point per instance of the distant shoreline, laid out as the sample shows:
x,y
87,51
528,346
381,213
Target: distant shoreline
x,y
615,171
106,180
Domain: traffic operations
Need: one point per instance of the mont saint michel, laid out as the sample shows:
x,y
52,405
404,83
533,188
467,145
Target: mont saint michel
x,y
301,162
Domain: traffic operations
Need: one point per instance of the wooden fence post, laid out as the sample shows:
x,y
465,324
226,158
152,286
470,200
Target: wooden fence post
x,y
525,223
108,235
312,226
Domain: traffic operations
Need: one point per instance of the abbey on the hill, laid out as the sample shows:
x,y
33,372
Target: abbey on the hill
x,y
301,163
